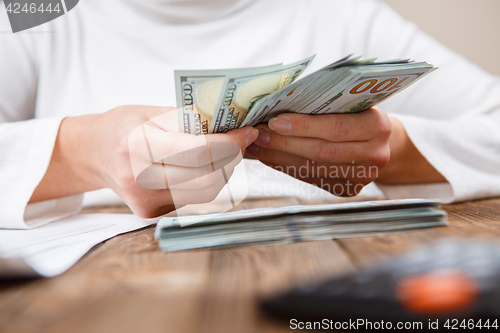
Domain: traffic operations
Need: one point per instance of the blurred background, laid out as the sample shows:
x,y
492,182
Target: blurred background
x,y
469,27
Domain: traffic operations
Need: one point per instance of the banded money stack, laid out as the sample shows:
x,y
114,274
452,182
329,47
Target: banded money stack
x,y
268,225
217,101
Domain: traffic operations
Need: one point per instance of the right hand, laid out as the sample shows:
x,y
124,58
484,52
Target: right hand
x,y
114,150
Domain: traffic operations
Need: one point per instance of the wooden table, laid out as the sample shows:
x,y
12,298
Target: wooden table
x,y
127,284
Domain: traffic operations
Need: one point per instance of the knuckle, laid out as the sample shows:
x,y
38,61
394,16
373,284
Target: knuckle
x,y
146,213
301,170
380,157
304,126
134,145
280,143
128,144
125,180
327,152
340,129
132,151
384,126
304,164
138,211
138,202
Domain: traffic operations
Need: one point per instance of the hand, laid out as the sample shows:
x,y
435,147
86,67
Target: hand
x,y
340,153
138,152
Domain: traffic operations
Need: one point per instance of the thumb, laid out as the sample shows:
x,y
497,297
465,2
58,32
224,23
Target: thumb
x,y
243,137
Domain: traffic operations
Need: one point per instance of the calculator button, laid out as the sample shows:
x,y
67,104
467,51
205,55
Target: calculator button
x,y
437,292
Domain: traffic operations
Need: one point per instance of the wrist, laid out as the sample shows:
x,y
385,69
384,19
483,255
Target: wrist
x,y
76,150
399,144
70,170
406,165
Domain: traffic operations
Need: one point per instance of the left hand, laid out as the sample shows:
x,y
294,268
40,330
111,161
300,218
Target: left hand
x,y
340,153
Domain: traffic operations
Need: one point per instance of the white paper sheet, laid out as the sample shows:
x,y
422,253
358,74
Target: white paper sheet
x,y
52,249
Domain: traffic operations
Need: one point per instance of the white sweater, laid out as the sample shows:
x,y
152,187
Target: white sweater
x,y
103,54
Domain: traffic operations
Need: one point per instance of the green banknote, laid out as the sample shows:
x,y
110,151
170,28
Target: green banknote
x,y
217,101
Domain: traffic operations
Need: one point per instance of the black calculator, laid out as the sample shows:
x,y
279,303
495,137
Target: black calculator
x,y
451,283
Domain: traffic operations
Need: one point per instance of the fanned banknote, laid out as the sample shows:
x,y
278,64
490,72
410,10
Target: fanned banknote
x,y
240,92
216,101
198,92
297,223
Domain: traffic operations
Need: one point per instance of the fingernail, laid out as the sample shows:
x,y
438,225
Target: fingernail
x,y
263,137
253,149
280,125
252,136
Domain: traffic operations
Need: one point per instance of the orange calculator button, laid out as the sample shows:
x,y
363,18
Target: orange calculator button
x,y
437,292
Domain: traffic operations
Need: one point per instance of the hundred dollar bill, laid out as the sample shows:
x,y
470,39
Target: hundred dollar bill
x,y
364,88
296,223
350,89
197,94
240,92
220,100
308,88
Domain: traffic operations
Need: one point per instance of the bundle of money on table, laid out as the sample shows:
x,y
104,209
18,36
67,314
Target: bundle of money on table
x,y
296,223
216,101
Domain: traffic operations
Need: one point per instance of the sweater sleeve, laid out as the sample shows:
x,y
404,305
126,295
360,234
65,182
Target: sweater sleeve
x,y
452,116
26,144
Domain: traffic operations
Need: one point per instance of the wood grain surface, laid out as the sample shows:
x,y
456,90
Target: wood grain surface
x,y
127,284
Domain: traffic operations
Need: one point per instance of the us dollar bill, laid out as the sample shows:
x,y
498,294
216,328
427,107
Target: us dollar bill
x,y
217,101
199,91
240,92
296,223
349,89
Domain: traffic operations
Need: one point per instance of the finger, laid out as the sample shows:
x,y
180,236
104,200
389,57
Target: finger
x,y
197,178
149,213
320,150
293,165
151,143
150,203
178,148
165,119
162,176
242,137
360,126
218,147
300,168
200,150
213,155
147,203
218,176
187,197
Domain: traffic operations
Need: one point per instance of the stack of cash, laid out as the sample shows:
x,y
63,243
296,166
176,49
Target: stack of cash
x,y
296,223
216,101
